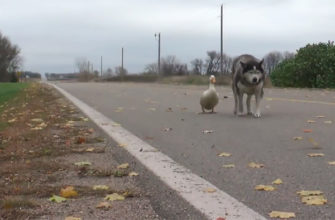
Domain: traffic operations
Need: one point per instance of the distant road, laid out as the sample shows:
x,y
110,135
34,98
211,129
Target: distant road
x,y
166,116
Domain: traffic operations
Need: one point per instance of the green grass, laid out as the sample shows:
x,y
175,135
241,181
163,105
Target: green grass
x,y
9,90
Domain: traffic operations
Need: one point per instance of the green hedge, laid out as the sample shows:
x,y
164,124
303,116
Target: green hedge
x,y
312,67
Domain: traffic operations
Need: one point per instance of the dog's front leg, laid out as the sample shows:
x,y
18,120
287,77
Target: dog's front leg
x,y
248,105
240,103
258,103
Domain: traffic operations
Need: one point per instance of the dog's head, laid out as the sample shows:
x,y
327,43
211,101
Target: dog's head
x,y
253,72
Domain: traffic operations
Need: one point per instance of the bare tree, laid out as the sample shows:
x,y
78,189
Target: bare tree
x,y
213,63
171,66
271,60
84,68
151,69
119,71
288,55
10,61
108,72
197,66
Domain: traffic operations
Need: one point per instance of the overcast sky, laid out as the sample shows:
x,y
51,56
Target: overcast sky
x,y
52,34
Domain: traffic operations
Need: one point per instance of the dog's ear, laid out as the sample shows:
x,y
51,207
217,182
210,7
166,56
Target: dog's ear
x,y
261,63
244,66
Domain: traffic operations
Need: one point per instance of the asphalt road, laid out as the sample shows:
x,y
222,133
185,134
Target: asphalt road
x,y
147,110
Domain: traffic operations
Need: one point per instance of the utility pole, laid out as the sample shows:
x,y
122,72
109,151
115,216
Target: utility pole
x,y
101,66
159,52
122,61
221,51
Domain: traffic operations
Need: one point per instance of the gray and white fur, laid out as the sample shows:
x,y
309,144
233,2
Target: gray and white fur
x,y
248,77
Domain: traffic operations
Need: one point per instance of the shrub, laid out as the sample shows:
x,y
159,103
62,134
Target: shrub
x,y
312,67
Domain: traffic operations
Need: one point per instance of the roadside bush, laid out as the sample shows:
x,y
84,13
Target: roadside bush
x,y
312,67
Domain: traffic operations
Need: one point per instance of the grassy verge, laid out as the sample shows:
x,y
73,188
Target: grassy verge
x,y
10,90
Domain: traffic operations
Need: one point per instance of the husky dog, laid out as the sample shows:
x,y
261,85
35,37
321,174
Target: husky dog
x,y
248,77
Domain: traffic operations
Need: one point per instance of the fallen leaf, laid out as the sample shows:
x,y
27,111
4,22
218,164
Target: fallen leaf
x,y
167,129
100,187
320,116
119,109
84,119
255,165
122,145
123,166
264,188
113,197
116,125
72,218
228,166
104,205
277,182
39,120
169,110
12,120
68,192
328,122
90,149
314,200
331,162
83,163
307,130
207,131
284,215
309,192
310,121
80,140
210,190
312,141
224,154
298,138
315,154
152,109
133,174
57,199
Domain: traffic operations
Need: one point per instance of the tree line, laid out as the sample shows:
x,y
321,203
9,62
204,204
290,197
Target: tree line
x,y
10,60
171,66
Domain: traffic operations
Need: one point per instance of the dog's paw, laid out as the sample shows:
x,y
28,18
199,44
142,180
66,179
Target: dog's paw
x,y
257,115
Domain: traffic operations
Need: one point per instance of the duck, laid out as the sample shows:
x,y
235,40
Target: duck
x,y
209,98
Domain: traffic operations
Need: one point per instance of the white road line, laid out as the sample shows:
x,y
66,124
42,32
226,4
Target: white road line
x,y
187,184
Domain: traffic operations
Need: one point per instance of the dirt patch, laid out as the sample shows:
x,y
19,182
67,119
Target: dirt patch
x,y
46,145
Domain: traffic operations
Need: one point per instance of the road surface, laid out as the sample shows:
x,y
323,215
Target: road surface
x,y
167,117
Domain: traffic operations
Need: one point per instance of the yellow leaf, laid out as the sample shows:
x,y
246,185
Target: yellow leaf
x,y
277,181
133,174
123,166
100,187
331,162
12,120
255,165
39,120
116,125
312,141
84,119
57,199
328,122
228,166
210,190
113,197
224,154
119,109
152,109
264,188
68,192
315,154
72,218
314,200
311,121
298,138
309,192
91,149
122,145
320,116
104,205
278,214
83,163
